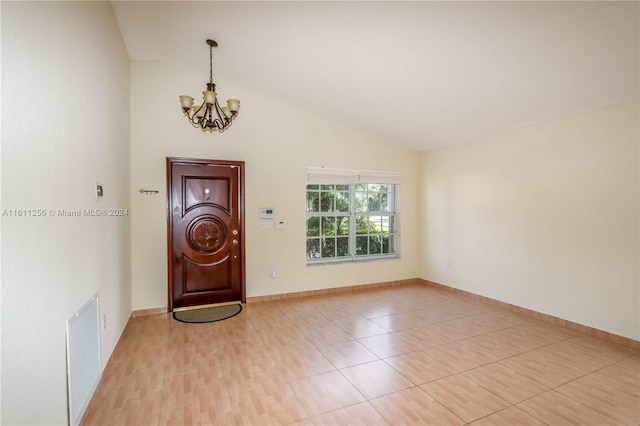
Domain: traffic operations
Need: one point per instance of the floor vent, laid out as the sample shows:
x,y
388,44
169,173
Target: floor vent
x,y
83,358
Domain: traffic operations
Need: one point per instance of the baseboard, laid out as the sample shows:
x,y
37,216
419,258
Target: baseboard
x,y
283,296
610,337
146,312
255,299
332,290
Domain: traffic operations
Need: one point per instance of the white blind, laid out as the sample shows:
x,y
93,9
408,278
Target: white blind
x,y
335,175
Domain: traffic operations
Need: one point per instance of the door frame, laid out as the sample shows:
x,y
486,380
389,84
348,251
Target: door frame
x,y
241,207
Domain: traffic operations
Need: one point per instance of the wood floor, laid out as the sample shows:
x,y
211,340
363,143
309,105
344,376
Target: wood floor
x,y
398,355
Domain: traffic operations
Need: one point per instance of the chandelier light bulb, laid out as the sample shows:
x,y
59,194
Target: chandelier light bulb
x,y
198,111
210,116
209,97
186,101
234,105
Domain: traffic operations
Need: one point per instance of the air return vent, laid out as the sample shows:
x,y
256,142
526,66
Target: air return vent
x,y
83,357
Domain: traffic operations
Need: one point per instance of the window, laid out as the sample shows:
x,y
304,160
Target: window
x,y
351,222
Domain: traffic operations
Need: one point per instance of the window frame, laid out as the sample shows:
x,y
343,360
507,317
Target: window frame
x,y
352,214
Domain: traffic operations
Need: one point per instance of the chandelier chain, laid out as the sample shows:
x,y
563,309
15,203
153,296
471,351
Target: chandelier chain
x,y
210,64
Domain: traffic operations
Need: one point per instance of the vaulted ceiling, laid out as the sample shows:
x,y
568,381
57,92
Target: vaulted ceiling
x,y
419,74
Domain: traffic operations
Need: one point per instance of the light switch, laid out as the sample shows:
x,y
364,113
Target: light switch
x,y
280,224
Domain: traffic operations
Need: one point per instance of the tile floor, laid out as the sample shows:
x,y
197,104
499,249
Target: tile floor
x,y
396,355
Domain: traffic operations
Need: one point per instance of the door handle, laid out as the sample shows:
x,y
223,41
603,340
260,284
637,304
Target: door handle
x,y
235,241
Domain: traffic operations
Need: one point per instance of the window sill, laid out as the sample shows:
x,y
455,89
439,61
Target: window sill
x,y
349,259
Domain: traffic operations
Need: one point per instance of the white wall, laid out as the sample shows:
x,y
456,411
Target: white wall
x,y
544,217
277,141
65,124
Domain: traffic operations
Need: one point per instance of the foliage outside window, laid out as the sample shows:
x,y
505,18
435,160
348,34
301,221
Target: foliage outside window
x,y
350,222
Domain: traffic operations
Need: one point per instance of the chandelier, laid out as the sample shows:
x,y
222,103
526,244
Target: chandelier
x,y
210,116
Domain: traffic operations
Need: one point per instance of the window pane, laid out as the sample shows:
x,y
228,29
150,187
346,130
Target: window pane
x,y
385,244
375,244
342,201
362,245
328,247
313,248
362,225
343,246
375,224
361,201
384,202
313,201
310,187
342,225
384,187
327,187
374,187
342,187
313,227
360,187
327,200
328,226
374,202
392,225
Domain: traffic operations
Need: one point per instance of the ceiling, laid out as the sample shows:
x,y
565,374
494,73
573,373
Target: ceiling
x,y
419,74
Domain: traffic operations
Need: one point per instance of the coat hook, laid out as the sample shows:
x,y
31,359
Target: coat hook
x,y
149,191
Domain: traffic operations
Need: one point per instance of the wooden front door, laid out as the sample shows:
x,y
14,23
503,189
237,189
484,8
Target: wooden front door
x,y
205,232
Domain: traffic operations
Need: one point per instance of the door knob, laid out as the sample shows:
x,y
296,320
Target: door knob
x,y
235,241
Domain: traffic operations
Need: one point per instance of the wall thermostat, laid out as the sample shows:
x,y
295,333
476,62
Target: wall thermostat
x,y
267,213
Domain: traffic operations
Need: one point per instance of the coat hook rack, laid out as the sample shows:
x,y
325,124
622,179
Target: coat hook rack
x,y
149,192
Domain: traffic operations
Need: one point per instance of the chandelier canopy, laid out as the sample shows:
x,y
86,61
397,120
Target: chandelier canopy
x,y
210,116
